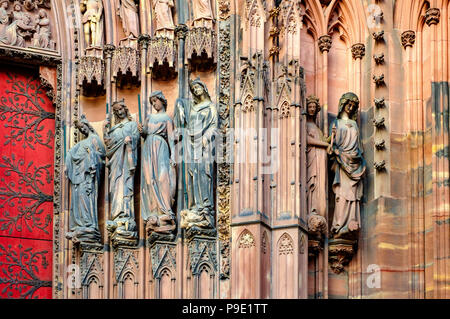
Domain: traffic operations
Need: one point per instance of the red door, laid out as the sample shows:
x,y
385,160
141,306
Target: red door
x,y
27,129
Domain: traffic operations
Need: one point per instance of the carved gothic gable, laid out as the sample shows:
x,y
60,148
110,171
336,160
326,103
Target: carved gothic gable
x,y
125,261
290,13
202,251
163,257
255,13
91,266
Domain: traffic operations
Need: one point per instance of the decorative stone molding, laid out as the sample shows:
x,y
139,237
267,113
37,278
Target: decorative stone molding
x,y
125,260
379,58
408,38
340,252
247,240
163,58
378,36
224,9
432,16
201,48
325,42
181,31
202,250
358,51
163,255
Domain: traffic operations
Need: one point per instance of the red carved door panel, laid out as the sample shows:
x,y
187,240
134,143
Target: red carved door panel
x,y
27,129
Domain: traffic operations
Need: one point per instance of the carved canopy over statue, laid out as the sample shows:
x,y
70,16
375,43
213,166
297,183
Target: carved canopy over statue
x,y
121,142
349,167
198,120
84,165
129,14
92,20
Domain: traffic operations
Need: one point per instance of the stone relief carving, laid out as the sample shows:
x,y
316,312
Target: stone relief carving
x,y
128,11
163,256
285,245
84,165
408,38
199,119
26,24
92,20
121,141
247,240
202,251
316,154
158,176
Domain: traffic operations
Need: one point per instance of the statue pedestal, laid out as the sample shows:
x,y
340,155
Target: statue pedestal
x,y
340,252
92,72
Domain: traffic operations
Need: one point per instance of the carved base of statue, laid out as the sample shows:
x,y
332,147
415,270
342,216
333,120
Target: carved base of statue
x,y
201,49
84,235
122,231
198,223
160,228
315,246
126,63
340,252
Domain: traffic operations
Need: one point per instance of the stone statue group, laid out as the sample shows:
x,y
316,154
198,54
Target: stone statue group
x,y
344,148
192,130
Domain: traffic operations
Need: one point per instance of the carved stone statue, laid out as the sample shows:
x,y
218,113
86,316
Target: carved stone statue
x,y
316,154
21,27
4,17
92,19
43,33
199,121
121,142
158,181
129,14
349,167
164,19
84,165
202,12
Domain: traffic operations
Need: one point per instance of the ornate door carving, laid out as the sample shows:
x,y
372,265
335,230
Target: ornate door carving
x,y
27,130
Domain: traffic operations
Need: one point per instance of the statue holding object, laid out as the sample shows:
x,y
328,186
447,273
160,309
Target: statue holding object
x,y
121,142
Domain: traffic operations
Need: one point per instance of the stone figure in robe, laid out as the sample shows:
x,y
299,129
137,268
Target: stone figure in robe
x,y
158,176
129,14
349,167
92,19
121,140
84,166
4,16
198,120
164,18
20,28
202,13
316,155
43,33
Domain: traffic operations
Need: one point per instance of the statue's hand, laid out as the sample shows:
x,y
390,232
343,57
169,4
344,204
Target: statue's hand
x,y
127,140
204,142
330,149
141,129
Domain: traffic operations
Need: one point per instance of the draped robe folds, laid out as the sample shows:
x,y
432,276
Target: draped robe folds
x,y
158,176
163,13
122,164
12,35
94,14
316,173
202,9
128,12
349,168
201,123
84,164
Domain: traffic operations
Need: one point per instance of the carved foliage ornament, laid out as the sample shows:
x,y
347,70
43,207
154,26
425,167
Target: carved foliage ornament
x,y
358,51
408,38
432,16
285,245
247,240
325,43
